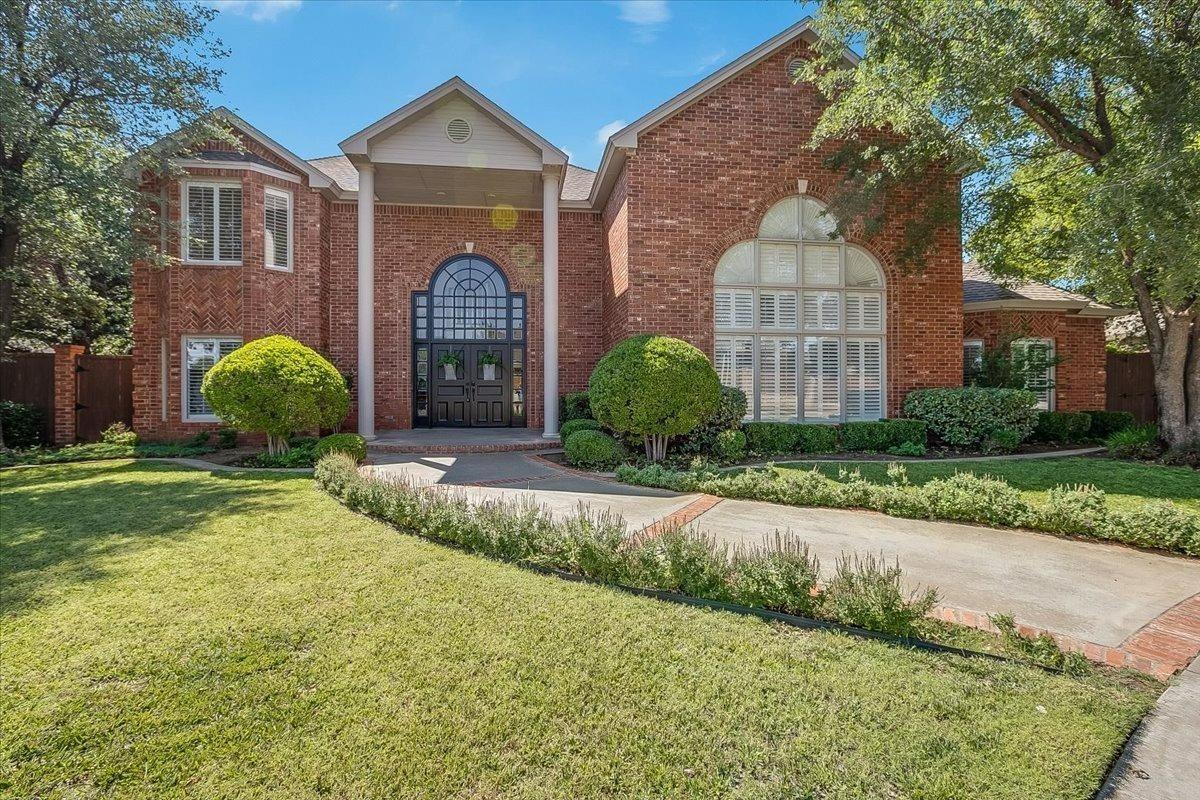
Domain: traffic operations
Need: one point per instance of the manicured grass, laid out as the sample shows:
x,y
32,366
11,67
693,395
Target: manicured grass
x,y
170,633
1126,483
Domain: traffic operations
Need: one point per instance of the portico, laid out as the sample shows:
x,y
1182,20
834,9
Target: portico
x,y
454,148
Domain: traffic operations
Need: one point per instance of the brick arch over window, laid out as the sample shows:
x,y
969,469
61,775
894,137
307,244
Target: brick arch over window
x,y
799,319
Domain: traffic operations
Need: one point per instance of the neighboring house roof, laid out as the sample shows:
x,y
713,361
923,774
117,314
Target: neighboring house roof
x,y
576,184
983,292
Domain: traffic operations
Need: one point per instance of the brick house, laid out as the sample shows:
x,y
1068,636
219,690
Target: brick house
x,y
456,265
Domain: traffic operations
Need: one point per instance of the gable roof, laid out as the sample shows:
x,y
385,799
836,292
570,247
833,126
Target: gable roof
x,y
982,292
357,143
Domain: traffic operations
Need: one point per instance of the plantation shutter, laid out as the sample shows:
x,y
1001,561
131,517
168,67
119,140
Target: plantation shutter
x,y
199,357
733,308
777,262
777,379
201,213
229,223
821,265
822,311
734,361
1040,382
864,311
777,310
864,379
822,368
277,229
972,359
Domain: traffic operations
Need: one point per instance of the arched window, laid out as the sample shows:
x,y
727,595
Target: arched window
x,y
468,300
799,319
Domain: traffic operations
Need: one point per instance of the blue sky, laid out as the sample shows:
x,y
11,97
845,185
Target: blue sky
x,y
309,73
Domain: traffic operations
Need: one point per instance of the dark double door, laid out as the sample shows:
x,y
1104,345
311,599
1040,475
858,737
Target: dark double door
x,y
475,396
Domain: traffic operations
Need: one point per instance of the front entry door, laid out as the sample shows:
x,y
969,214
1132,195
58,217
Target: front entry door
x,y
469,392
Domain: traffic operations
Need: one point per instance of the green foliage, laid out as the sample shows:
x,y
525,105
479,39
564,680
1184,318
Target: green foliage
x,y
780,575
1074,510
277,386
577,424
449,359
730,446
1062,427
866,592
1008,365
227,438
1137,442
1001,440
351,444
119,434
1158,524
727,416
1040,649
966,417
681,560
971,498
655,387
882,435
771,438
574,405
594,449
23,425
100,451
1106,423
910,449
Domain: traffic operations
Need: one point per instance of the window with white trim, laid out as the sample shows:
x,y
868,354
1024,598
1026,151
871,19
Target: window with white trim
x,y
200,353
212,223
1038,357
972,359
277,227
799,320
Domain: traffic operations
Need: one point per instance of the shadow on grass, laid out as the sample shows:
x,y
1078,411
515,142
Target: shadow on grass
x,y
59,524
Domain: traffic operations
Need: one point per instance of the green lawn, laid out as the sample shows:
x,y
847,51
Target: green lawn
x,y
169,633
1126,483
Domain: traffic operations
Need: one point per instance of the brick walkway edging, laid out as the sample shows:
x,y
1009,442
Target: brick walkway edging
x,y
1161,647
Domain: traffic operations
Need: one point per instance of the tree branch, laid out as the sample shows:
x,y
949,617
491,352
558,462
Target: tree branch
x,y
1050,118
1145,301
1100,92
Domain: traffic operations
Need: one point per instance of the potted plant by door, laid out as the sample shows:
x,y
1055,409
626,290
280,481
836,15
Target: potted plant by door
x,y
450,362
489,362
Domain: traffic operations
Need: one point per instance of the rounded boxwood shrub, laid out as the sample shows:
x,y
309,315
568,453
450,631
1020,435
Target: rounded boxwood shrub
x,y
727,416
1062,427
967,416
730,445
276,386
1106,423
655,387
575,425
351,444
574,405
588,448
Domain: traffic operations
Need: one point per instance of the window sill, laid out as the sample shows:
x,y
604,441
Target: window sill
x,y
277,269
210,263
194,420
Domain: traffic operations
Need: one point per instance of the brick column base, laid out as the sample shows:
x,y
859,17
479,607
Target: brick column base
x,y
66,358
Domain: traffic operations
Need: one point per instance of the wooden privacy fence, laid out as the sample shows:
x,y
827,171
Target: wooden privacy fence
x,y
1130,385
80,394
28,378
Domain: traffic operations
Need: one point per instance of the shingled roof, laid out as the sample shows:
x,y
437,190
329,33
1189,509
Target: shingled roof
x,y
982,291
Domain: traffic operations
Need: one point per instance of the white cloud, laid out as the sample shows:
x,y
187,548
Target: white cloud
x,y
644,12
701,66
257,10
608,130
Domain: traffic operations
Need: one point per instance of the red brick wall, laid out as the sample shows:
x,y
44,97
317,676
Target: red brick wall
x,y
249,301
702,180
1080,377
616,273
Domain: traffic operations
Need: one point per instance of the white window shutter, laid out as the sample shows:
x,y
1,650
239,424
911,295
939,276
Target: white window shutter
x,y
821,265
864,311
229,223
777,263
736,265
277,229
777,310
734,361
822,311
777,381
864,379
201,212
733,308
782,220
822,373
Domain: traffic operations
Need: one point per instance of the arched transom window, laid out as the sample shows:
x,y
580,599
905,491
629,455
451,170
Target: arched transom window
x,y
799,320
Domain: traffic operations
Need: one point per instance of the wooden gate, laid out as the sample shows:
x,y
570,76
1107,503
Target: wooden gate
x,y
28,378
1130,385
103,394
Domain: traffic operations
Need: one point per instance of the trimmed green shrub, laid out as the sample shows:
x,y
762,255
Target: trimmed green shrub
x,y
727,416
588,448
730,445
277,386
866,592
653,386
881,435
772,438
910,449
1137,442
971,498
1001,440
227,438
578,424
1062,427
965,417
816,439
780,575
1157,524
1106,423
1078,510
351,444
24,425
574,405
118,433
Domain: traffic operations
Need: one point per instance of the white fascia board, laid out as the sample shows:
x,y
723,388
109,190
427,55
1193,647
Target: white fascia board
x,y
1026,305
358,144
199,163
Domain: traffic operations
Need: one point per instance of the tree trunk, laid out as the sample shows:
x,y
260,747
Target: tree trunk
x,y
1177,380
656,446
277,445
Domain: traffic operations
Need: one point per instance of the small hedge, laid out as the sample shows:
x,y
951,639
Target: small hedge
x,y
967,417
727,416
773,438
1106,423
574,405
1077,511
1062,427
351,444
573,425
592,448
24,425
882,435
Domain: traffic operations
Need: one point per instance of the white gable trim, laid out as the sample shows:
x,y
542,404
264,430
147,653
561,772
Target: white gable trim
x,y
316,178
249,166
358,143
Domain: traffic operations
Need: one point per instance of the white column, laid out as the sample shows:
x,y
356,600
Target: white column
x,y
366,301
550,302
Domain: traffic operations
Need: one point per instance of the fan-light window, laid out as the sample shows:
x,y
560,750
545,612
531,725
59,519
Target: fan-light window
x,y
799,317
458,130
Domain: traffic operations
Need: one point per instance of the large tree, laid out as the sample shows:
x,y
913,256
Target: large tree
x,y
85,85
1078,122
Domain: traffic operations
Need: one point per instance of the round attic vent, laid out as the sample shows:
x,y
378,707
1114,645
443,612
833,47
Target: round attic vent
x,y
793,66
458,130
